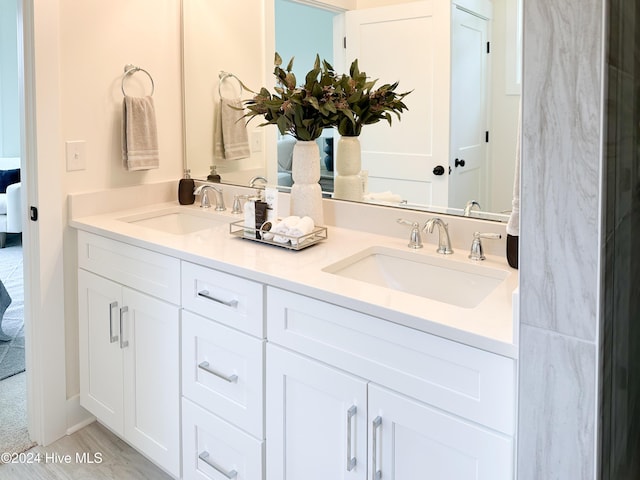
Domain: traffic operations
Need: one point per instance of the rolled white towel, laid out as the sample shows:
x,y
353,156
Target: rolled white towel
x,y
279,230
303,227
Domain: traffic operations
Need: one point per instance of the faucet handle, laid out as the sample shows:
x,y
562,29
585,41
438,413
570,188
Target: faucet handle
x,y
415,240
476,245
237,206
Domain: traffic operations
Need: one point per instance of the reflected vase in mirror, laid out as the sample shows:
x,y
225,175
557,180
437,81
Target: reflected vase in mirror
x,y
348,184
306,193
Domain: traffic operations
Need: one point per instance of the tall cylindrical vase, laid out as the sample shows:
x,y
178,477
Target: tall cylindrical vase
x,y
306,193
347,182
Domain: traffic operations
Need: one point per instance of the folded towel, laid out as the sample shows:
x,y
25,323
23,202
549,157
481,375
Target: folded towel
x,y
139,134
231,141
303,227
386,196
513,226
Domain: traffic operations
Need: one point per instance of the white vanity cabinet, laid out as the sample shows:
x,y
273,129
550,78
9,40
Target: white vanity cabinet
x,y
129,344
424,406
222,375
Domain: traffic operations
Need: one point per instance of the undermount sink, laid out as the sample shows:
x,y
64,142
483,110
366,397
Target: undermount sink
x,y
176,220
443,279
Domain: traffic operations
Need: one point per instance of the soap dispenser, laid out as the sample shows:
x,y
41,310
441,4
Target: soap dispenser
x,y
186,186
213,176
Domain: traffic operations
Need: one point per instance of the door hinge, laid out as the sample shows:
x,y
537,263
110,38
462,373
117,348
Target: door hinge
x,y
488,47
33,216
486,136
344,42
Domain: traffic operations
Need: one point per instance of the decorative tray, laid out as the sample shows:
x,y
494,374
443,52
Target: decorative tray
x,y
238,229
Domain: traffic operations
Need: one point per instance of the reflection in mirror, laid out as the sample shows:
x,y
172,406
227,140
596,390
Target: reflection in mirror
x,y
448,118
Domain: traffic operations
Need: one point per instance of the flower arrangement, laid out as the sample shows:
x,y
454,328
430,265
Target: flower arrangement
x,y
359,104
303,111
326,99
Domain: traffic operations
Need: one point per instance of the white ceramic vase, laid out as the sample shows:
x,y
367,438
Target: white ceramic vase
x,y
347,182
306,193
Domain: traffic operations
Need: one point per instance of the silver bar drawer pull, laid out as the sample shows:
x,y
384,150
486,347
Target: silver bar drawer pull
x,y
204,456
123,343
230,303
112,338
229,378
375,473
351,461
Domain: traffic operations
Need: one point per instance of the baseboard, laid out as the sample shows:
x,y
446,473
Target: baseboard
x,y
77,417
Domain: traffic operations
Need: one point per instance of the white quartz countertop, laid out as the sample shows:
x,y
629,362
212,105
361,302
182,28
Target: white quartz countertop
x,y
488,326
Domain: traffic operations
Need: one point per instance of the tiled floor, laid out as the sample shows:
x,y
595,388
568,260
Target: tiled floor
x,y
92,453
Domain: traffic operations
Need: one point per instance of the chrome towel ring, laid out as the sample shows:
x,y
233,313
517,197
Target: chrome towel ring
x,y
130,69
224,76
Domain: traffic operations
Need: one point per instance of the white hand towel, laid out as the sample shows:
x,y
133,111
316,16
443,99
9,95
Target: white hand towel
x,y
139,134
303,227
231,141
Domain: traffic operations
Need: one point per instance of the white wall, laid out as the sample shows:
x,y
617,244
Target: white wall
x,y
96,40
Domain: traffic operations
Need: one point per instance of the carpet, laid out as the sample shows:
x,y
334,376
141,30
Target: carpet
x,y
14,437
12,351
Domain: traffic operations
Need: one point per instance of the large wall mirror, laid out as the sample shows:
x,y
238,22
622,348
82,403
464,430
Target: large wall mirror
x,y
461,59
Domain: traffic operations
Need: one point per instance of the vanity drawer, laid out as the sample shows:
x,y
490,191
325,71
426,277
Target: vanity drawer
x,y
225,298
213,449
223,370
138,268
463,380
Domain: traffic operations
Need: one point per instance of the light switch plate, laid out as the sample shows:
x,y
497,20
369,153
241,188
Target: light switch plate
x,y
76,155
256,141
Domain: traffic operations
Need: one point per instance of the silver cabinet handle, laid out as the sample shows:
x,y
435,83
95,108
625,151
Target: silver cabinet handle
x,y
230,378
204,456
375,473
123,343
230,303
112,338
351,461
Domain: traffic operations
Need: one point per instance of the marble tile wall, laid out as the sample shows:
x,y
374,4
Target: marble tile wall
x,y
560,239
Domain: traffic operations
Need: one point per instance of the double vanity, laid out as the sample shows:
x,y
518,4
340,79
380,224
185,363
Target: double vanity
x,y
356,358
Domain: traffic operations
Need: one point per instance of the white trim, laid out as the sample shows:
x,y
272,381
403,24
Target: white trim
x,y
77,417
513,47
331,5
43,261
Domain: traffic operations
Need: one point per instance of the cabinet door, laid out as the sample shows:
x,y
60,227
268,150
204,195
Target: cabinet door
x,y
409,440
316,420
152,378
99,303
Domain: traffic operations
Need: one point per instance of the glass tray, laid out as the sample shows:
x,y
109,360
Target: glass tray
x,y
238,229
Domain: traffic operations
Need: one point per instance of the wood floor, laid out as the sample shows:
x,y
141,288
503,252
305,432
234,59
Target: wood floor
x,y
70,459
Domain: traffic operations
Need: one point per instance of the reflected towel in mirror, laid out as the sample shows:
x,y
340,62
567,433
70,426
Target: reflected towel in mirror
x,y
231,141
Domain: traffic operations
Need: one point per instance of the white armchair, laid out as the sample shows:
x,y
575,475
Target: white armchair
x,y
10,203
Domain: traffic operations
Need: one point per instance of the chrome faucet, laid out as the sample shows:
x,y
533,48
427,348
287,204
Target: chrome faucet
x,y
444,242
476,252
469,206
415,240
252,182
204,199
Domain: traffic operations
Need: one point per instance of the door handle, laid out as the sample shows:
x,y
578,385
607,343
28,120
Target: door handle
x,y
112,338
123,343
230,303
229,378
459,162
204,456
351,461
375,473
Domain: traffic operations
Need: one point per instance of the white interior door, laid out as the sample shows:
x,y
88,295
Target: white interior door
x,y
469,119
400,43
